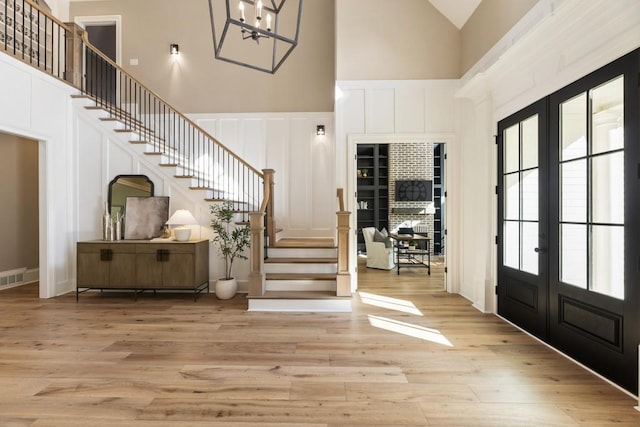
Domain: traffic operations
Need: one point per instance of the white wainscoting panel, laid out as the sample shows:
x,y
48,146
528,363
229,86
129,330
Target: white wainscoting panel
x,y
352,110
409,110
300,172
254,142
14,85
380,112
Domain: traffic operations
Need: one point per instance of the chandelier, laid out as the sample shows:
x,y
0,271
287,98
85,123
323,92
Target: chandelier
x,y
258,34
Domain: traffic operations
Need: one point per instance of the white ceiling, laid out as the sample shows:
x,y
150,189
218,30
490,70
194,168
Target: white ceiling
x,y
456,11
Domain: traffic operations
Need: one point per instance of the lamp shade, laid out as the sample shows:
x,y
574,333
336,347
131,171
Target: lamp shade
x,y
182,217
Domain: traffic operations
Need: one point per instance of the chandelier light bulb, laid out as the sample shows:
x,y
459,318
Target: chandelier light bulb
x,y
268,22
241,7
259,10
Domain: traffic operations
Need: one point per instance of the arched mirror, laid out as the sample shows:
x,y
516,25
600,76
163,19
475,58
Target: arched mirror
x,y
123,186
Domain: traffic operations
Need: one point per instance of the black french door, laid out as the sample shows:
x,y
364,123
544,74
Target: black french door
x,y
584,297
523,236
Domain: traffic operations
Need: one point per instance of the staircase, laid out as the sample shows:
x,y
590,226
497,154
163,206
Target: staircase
x,y
301,275
292,274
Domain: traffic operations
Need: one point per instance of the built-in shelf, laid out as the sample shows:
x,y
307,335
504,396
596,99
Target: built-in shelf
x,y
373,188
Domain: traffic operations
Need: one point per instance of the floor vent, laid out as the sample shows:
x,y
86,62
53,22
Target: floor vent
x,y
12,278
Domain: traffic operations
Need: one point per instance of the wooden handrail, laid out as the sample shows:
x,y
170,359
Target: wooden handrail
x,y
340,194
108,60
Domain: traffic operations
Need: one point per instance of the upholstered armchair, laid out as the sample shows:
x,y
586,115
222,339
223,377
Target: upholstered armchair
x,y
379,249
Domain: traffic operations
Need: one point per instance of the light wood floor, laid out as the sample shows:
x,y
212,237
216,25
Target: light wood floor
x,y
409,354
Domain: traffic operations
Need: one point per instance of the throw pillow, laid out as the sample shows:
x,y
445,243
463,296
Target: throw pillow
x,y
379,237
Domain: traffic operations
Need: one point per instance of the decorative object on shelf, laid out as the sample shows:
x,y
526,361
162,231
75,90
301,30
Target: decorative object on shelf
x,y
365,172
165,232
106,223
363,204
116,226
174,49
180,218
320,130
232,241
359,173
273,43
143,217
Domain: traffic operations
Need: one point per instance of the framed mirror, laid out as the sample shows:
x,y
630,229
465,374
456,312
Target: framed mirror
x,y
123,186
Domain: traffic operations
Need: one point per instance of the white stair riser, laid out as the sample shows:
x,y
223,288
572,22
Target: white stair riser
x,y
300,305
302,252
300,285
300,268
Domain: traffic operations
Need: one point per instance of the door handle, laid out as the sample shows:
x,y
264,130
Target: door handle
x,y
540,250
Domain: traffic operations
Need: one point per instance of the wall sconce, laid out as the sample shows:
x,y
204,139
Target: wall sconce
x,y
174,49
320,130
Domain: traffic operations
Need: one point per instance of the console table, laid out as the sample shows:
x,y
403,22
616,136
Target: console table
x,y
406,257
140,265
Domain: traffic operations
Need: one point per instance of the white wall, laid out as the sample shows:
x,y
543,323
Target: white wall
x,y
305,191
399,111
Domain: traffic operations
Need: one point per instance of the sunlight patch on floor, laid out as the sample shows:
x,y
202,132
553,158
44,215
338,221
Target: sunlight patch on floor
x,y
390,303
420,332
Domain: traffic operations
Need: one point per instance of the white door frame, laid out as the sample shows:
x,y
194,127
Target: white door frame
x,y
451,181
116,20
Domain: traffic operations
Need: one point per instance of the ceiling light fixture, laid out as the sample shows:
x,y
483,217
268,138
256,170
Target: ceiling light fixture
x,y
273,27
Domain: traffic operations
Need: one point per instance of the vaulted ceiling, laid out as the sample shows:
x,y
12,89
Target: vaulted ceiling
x,y
456,11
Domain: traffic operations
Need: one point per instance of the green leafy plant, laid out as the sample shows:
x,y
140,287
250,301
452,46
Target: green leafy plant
x,y
231,240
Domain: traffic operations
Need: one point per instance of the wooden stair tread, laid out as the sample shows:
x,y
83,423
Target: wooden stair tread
x,y
301,260
305,242
298,295
301,276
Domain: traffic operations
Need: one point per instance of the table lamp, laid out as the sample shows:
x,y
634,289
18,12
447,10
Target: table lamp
x,y
180,218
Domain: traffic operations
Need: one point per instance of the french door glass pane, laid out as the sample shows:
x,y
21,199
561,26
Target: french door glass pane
x,y
512,196
573,253
511,149
574,128
530,143
511,244
607,104
607,192
607,264
529,244
530,195
574,191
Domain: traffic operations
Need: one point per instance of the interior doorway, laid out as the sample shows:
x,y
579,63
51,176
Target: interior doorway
x,y
104,32
19,212
378,171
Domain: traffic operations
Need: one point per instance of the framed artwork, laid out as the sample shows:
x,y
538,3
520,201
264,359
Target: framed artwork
x,y
144,217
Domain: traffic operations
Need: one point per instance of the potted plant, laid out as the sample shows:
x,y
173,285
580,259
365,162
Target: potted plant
x,y
232,241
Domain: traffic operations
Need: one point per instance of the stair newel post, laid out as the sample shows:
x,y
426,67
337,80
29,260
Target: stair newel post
x,y
269,185
343,278
256,255
74,56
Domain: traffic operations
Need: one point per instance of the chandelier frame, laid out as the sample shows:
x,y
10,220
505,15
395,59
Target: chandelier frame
x,y
255,33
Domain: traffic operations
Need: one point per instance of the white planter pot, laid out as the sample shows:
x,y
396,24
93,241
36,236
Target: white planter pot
x,y
226,288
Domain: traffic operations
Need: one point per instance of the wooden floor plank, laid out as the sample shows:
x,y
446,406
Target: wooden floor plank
x,y
408,354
